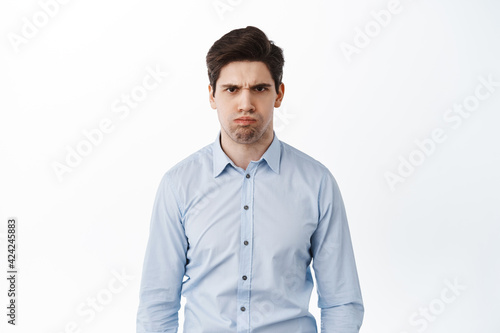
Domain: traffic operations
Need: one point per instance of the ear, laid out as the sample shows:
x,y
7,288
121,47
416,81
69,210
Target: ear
x,y
211,97
279,98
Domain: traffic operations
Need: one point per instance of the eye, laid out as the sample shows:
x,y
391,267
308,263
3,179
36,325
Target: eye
x,y
261,89
231,89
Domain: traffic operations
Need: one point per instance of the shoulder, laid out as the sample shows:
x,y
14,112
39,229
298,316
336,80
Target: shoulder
x,y
196,163
308,173
306,163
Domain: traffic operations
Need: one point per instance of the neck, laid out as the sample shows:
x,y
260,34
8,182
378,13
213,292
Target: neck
x,y
240,153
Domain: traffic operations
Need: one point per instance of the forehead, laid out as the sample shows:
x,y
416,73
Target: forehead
x,y
245,72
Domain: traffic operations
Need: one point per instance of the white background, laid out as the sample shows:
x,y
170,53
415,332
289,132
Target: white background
x,y
359,115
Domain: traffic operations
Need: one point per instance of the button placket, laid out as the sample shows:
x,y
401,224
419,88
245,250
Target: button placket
x,y
245,264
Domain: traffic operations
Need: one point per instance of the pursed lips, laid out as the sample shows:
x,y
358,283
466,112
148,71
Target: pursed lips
x,y
245,120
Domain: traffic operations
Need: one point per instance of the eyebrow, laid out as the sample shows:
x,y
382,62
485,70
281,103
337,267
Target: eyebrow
x,y
258,85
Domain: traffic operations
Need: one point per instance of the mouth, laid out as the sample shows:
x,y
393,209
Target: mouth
x,y
245,120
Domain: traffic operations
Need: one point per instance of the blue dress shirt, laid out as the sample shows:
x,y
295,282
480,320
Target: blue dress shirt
x,y
238,245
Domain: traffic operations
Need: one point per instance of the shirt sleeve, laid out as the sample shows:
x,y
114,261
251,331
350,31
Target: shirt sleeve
x,y
164,265
339,293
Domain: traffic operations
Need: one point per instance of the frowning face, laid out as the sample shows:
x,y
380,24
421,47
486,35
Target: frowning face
x,y
245,98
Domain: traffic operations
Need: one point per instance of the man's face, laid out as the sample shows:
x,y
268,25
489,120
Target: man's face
x,y
246,89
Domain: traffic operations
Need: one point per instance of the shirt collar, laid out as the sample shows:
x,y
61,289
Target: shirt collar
x,y
271,156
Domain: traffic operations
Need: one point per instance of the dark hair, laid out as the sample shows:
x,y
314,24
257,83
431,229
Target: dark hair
x,y
250,44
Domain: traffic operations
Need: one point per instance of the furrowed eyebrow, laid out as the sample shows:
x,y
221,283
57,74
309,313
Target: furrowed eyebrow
x,y
262,85
258,85
229,85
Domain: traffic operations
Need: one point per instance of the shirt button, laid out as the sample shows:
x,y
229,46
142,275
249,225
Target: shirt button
x,y
246,207
248,175
245,242
242,308
244,277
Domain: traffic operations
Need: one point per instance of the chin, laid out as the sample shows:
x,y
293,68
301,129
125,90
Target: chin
x,y
244,135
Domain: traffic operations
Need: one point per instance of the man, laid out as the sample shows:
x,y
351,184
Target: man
x,y
236,225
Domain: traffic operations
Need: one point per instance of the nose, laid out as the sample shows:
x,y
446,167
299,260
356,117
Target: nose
x,y
245,102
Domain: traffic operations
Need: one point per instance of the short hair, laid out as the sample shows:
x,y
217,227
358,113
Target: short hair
x,y
245,44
